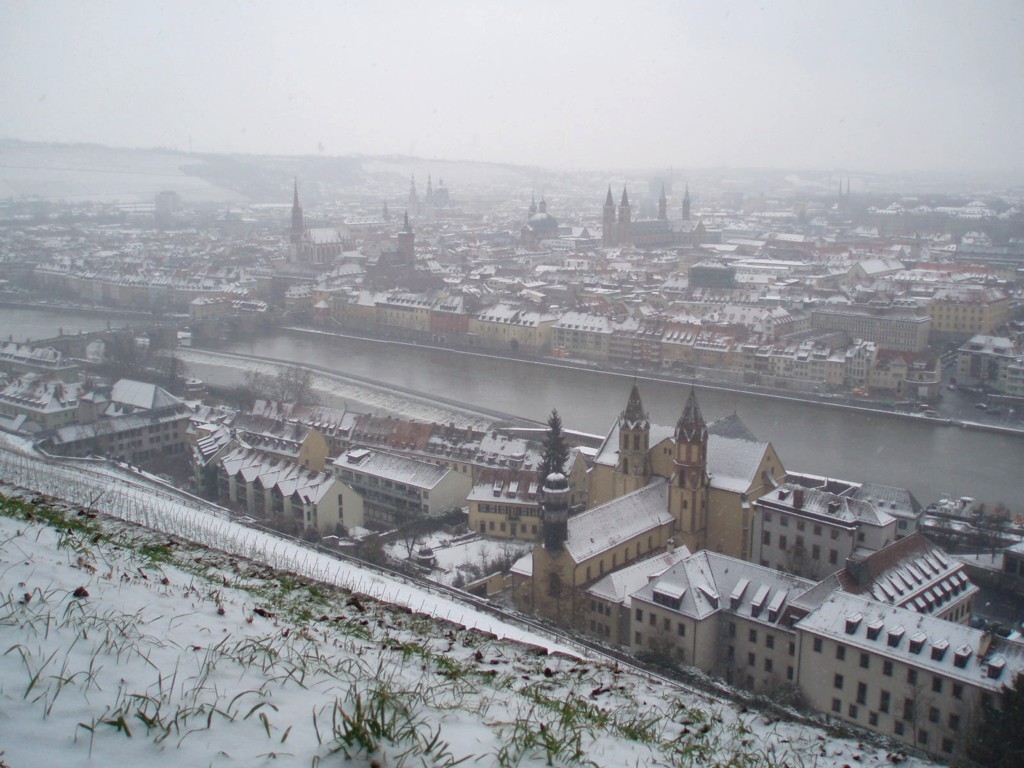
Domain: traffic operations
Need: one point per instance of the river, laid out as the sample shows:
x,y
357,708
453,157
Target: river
x,y
23,325
932,460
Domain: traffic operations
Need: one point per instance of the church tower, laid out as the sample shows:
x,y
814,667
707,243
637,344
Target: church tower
x,y
608,222
533,204
663,205
298,227
414,200
686,203
407,243
625,218
633,471
556,511
688,494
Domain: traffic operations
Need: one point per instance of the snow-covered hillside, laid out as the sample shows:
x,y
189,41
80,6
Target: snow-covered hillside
x,y
124,646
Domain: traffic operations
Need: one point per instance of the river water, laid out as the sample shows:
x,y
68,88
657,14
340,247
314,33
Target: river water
x,y
931,460
23,325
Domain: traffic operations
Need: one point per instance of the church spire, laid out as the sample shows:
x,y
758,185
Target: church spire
x,y
662,204
298,225
634,414
691,426
686,203
625,197
609,200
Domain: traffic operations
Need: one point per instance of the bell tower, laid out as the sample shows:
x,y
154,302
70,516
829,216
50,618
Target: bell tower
x,y
663,205
633,470
625,219
608,222
686,203
556,511
688,494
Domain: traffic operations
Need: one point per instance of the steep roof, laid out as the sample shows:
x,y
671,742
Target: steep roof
x,y
618,586
597,530
142,396
707,582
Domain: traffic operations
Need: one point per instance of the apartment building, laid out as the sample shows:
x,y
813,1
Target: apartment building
x,y
989,361
962,312
277,490
396,489
908,675
889,330
811,532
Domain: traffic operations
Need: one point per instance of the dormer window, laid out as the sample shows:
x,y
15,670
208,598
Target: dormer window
x,y
874,630
917,642
996,665
939,649
895,635
962,654
852,622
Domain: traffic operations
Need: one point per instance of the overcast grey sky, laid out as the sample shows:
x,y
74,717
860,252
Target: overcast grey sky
x,y
594,84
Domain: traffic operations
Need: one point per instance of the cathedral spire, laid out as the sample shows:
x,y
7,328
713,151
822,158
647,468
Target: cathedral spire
x,y
625,197
691,425
298,225
634,414
686,203
609,200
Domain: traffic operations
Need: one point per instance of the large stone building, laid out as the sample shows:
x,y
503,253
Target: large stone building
x,y
691,487
720,470
898,670
315,245
619,228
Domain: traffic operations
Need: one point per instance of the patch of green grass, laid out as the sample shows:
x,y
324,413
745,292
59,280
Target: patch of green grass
x,y
158,553
70,523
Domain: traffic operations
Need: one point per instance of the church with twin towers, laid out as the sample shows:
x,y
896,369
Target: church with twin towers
x,y
620,229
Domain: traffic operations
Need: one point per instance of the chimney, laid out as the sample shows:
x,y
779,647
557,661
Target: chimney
x,y
798,498
858,569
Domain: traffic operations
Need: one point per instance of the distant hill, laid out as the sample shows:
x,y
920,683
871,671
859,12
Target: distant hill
x,y
94,173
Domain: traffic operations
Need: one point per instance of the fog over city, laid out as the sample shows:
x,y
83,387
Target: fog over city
x,y
872,86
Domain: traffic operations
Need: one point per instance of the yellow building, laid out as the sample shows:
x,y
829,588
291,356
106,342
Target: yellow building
x,y
504,327
740,469
507,504
959,313
652,487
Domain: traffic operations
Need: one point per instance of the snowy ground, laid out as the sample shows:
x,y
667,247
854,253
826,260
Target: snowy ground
x,y
472,557
120,646
334,390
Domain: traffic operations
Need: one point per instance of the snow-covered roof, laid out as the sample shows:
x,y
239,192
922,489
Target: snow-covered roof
x,y
600,528
942,647
707,582
142,396
618,586
389,466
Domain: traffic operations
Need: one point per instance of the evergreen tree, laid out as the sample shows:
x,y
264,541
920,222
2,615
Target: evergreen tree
x,y
556,451
999,737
